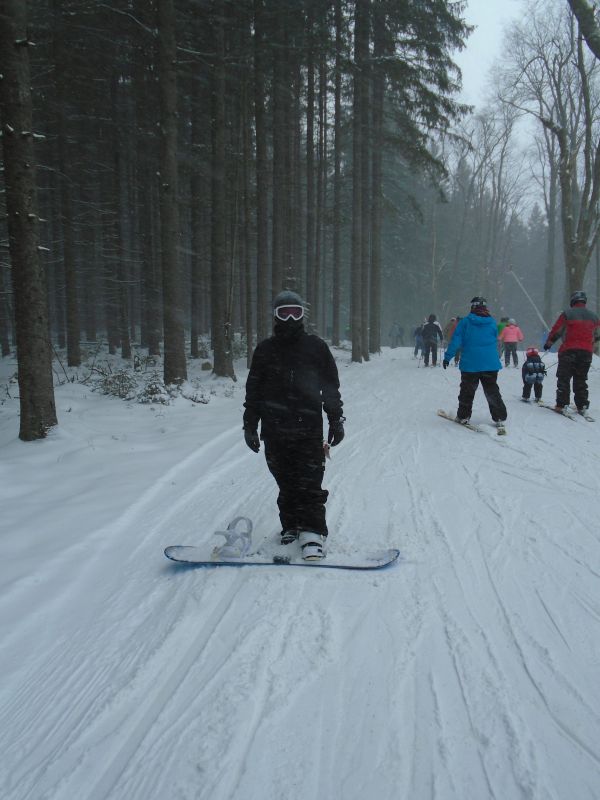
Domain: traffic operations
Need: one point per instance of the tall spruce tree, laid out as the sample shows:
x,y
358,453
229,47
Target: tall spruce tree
x,y
36,392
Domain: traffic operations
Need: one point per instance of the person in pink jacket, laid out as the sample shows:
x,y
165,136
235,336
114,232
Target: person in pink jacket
x,y
511,335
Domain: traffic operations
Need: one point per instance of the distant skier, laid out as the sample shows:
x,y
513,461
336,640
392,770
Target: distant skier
x,y
293,378
533,372
501,325
418,337
449,328
397,335
476,336
579,329
511,335
431,332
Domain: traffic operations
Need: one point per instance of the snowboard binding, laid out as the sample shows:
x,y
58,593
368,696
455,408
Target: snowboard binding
x,y
237,540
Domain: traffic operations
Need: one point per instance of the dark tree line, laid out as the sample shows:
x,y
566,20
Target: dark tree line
x,y
196,156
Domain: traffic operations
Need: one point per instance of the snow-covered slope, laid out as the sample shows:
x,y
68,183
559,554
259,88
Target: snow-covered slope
x,y
469,670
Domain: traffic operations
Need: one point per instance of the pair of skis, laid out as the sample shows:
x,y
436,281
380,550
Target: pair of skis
x,y
499,426
566,412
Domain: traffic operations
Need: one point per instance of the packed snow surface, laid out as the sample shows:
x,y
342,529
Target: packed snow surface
x,y
469,670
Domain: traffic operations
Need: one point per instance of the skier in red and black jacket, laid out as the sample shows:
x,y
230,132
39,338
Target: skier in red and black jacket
x,y
579,328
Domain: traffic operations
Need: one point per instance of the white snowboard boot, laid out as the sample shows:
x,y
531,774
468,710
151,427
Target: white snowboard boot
x,y
312,545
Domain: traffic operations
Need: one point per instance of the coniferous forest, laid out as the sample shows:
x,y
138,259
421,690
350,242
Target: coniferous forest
x,y
170,165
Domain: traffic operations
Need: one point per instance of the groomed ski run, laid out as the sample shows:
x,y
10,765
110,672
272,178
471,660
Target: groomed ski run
x,y
467,670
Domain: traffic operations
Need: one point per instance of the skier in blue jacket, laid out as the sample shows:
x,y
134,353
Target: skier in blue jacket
x,y
476,337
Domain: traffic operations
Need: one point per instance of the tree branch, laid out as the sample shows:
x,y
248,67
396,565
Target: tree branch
x,y
588,25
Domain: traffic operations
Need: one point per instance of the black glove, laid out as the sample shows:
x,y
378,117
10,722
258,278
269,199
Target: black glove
x,y
336,431
445,363
547,345
252,439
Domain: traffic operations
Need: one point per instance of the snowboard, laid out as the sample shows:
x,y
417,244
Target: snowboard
x,y
237,552
204,557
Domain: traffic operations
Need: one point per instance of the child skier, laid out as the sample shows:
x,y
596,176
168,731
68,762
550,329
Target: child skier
x,y
476,336
533,372
511,335
293,378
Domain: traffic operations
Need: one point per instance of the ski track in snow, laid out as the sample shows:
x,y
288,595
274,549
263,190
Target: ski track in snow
x,y
469,670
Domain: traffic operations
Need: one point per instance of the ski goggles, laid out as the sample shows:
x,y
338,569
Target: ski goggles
x,y
289,312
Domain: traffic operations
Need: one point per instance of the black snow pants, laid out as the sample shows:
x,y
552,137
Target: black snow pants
x,y
298,466
510,349
575,365
430,347
469,381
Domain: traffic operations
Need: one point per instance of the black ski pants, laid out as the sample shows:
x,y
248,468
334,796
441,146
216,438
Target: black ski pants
x,y
510,349
430,347
573,365
469,381
298,466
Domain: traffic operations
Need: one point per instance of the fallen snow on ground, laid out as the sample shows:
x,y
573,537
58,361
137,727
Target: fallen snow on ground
x,y
468,670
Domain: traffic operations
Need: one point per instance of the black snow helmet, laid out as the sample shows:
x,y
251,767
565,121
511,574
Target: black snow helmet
x,y
287,298
478,302
578,297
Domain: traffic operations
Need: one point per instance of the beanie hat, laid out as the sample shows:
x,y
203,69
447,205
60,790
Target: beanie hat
x,y
287,298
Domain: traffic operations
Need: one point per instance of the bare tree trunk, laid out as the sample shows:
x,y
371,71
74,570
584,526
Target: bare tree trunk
x,y
263,304
551,242
66,189
378,79
310,164
280,189
175,368
199,108
117,215
364,182
4,317
357,296
221,324
337,180
36,392
247,204
319,311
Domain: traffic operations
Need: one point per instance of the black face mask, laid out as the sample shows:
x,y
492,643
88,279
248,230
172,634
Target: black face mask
x,y
288,329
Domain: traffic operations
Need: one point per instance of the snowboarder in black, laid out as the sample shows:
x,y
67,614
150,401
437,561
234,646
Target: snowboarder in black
x,y
432,331
533,372
293,378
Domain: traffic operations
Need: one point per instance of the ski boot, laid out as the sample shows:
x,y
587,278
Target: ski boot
x,y
312,545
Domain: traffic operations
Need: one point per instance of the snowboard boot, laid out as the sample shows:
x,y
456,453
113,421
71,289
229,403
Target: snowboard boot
x,y
312,545
288,536
462,420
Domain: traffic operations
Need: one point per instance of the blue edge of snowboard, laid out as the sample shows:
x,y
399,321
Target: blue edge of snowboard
x,y
197,557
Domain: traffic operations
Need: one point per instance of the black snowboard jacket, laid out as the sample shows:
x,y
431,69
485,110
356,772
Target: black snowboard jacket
x,y
431,333
290,383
